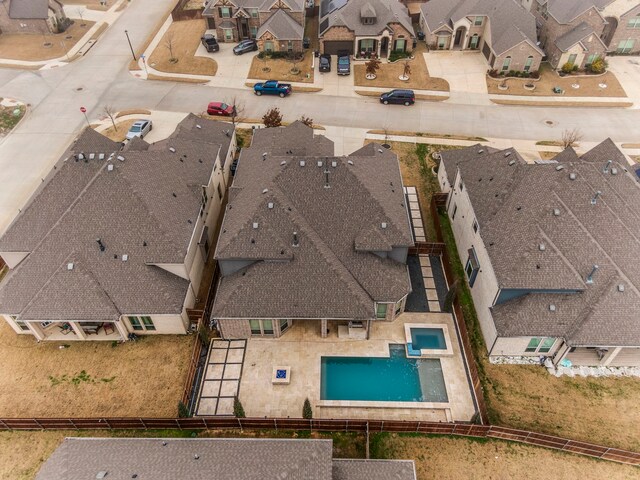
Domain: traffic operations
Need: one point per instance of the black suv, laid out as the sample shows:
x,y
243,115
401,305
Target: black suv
x,y
245,46
404,97
325,63
210,43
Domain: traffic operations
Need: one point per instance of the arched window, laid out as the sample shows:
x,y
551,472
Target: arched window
x,y
528,63
506,63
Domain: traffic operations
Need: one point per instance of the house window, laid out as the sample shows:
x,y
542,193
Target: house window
x,y
284,326
634,22
572,58
45,324
381,310
400,45
141,323
540,345
455,209
261,327
366,45
625,46
268,46
442,41
528,63
475,40
368,20
289,45
478,21
267,327
228,34
225,12
591,58
253,12
255,327
506,64
21,325
472,266
475,226
254,31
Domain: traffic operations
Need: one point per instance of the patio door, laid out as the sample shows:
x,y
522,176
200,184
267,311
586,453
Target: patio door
x,y
261,328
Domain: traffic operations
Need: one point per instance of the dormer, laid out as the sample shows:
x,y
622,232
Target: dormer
x,y
367,14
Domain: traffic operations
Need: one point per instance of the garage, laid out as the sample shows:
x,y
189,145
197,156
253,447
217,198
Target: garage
x,y
332,47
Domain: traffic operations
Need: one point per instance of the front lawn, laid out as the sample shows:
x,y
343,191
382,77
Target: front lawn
x,y
387,75
92,379
281,69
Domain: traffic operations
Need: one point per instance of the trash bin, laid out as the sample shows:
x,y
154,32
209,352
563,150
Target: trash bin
x,y
316,53
415,43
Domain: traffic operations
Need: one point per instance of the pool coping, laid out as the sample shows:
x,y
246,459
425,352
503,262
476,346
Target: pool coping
x,y
429,352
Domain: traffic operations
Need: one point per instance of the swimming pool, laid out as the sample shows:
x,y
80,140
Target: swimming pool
x,y
393,379
428,339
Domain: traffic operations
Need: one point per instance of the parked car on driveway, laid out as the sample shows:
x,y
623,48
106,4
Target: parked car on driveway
x,y
210,42
272,87
325,63
140,129
306,42
401,97
245,46
344,64
219,108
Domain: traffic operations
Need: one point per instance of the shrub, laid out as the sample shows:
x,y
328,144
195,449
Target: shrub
x,y
306,120
183,411
238,409
598,65
307,412
567,67
273,118
534,74
493,73
512,73
393,56
372,66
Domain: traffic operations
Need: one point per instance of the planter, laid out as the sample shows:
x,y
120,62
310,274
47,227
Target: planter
x,y
370,76
403,78
529,86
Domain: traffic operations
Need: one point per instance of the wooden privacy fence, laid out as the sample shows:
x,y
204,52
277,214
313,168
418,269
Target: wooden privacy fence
x,y
427,248
180,12
328,425
193,367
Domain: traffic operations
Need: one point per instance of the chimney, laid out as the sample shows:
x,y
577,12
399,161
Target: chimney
x,y
594,200
589,279
296,241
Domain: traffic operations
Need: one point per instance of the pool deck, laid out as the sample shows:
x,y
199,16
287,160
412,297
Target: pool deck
x,y
302,348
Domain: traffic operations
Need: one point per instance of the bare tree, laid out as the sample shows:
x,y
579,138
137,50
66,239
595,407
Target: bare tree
x,y
406,71
237,115
294,58
306,120
110,112
571,137
273,118
80,12
169,43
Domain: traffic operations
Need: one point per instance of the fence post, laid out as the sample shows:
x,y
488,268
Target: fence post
x,y
38,423
143,424
418,426
275,422
240,424
607,451
5,425
455,425
346,426
105,420
177,423
381,426
74,424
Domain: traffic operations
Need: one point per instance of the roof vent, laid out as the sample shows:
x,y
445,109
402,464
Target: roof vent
x,y
283,163
101,156
552,308
594,200
559,168
326,179
512,163
101,474
70,266
334,164
270,205
589,279
92,156
621,288
264,156
614,171
380,150
81,156
164,443
196,457
110,168
507,154
265,190
573,176
255,225
481,151
125,257
302,163
542,247
198,126
605,169
320,163
350,162
296,240
227,133
100,244
121,158
556,212
384,225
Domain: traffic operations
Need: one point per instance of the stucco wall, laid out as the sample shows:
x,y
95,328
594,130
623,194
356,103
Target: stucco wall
x,y
516,346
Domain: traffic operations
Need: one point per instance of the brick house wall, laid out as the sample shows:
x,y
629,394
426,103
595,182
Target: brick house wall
x,y
432,39
519,55
595,47
336,33
625,32
278,45
399,32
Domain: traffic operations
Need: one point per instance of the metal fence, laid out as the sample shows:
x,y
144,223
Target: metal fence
x,y
328,425
180,13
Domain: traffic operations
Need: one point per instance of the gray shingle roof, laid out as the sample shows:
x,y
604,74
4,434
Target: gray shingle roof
x,y
514,206
387,12
262,5
450,158
282,26
510,23
564,11
575,35
327,275
29,9
344,469
131,209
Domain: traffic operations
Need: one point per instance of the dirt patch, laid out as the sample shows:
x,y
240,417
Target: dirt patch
x,y
32,48
428,135
119,132
547,155
280,69
8,119
550,143
452,458
185,40
419,96
589,85
88,379
151,76
387,75
563,104
124,113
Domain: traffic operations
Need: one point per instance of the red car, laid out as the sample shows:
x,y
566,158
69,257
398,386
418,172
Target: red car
x,y
219,108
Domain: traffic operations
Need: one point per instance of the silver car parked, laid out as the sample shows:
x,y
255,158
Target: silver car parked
x,y
140,129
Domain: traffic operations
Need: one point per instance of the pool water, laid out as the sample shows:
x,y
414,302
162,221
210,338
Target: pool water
x,y
393,379
428,339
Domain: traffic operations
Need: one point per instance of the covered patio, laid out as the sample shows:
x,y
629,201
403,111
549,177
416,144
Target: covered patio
x,y
70,331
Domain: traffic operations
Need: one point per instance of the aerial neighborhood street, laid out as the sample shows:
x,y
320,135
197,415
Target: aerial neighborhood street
x,y
319,239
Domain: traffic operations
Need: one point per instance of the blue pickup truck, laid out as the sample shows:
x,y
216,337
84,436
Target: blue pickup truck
x,y
272,87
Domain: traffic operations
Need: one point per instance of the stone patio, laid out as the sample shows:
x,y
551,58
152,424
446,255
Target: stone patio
x,y
302,348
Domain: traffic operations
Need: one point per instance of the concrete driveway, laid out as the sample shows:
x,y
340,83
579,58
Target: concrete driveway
x,y
627,70
233,70
465,72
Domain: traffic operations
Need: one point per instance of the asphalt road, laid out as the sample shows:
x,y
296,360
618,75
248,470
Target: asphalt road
x,y
101,78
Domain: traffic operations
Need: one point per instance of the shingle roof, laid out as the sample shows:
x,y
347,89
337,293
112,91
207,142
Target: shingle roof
x,y
510,23
282,27
564,11
145,207
29,9
169,459
450,158
207,458
576,35
261,5
328,275
514,206
349,15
